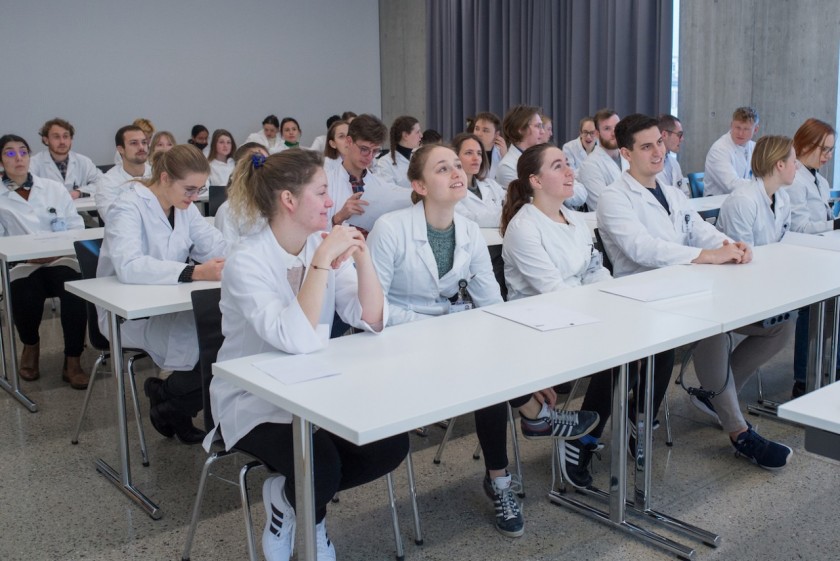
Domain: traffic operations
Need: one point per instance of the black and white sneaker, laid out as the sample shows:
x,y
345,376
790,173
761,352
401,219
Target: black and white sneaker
x,y
324,549
761,451
575,458
278,539
565,425
704,405
509,520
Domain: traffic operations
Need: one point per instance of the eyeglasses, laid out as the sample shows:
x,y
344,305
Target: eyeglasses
x,y
588,133
23,152
367,150
827,149
195,191
678,134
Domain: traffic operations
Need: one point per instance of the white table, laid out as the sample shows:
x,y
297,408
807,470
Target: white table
x,y
705,204
491,236
819,412
480,360
22,248
85,204
125,302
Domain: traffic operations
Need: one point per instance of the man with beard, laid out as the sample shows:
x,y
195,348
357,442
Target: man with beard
x,y
59,163
672,135
133,148
604,165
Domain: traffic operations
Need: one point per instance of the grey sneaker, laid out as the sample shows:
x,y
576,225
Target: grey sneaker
x,y
565,425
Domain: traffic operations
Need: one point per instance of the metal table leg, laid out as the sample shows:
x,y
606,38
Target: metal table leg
x,y
304,487
10,380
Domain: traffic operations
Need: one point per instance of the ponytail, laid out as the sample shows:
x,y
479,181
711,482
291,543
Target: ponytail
x,y
519,193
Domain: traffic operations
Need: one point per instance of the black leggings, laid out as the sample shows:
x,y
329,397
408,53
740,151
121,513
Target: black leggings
x,y
338,464
599,393
491,428
28,297
183,390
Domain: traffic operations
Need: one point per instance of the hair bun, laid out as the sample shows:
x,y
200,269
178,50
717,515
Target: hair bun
x,y
257,160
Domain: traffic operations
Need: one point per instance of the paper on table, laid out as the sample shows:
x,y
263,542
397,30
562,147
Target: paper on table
x,y
660,289
828,241
381,198
296,368
542,318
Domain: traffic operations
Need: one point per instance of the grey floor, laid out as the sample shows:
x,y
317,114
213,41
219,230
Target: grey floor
x,y
54,505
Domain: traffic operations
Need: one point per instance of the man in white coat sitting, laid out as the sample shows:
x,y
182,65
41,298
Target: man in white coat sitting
x,y
604,164
646,225
59,163
133,147
728,160
672,136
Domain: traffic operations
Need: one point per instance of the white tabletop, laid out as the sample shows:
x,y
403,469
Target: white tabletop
x,y
819,409
45,244
701,204
418,373
85,204
779,279
491,236
133,301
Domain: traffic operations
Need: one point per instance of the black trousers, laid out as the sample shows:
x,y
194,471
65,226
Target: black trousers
x,y
599,393
491,428
183,389
337,463
28,297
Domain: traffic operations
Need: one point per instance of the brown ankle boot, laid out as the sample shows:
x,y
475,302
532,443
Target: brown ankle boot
x,y
28,368
73,373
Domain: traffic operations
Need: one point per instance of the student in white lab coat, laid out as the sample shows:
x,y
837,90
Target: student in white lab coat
x,y
198,137
336,145
268,135
488,128
580,147
645,225
28,205
522,128
154,233
290,131
483,203
280,291
148,129
810,213
404,138
432,261
604,164
161,142
228,222
134,152
59,163
728,159
222,148
759,212
672,135
320,142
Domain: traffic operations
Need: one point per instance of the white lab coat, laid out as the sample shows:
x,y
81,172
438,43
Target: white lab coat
x,y
506,171
727,166
383,196
220,171
82,173
810,212
598,171
576,153
390,172
141,247
232,227
495,158
111,185
745,215
273,146
399,246
319,144
542,255
672,174
639,235
260,313
487,210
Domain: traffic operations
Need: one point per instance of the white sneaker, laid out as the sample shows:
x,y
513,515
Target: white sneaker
x,y
278,539
325,551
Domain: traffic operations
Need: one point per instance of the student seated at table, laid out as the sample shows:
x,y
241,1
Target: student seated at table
x,y
28,205
198,137
336,144
488,128
222,148
483,203
131,144
60,163
161,142
728,159
231,227
280,290
154,232
581,146
290,131
810,214
522,128
148,129
267,137
432,261
644,226
320,142
404,138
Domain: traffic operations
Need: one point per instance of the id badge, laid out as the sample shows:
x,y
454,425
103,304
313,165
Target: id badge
x,y
596,261
687,225
460,307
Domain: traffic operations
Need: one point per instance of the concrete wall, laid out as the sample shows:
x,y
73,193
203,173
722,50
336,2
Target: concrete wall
x,y
780,56
402,39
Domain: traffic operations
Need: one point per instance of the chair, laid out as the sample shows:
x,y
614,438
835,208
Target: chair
x,y
599,245
216,196
208,322
87,253
105,168
696,184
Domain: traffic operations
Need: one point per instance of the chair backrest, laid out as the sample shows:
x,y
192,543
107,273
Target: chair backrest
x,y
104,168
208,325
87,253
216,196
696,184
599,245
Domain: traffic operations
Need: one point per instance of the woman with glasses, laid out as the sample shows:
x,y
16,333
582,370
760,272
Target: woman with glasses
x,y
579,148
29,205
156,235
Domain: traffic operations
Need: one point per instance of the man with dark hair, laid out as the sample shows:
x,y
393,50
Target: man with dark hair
x,y
59,163
350,181
646,225
603,165
488,128
728,160
133,148
672,136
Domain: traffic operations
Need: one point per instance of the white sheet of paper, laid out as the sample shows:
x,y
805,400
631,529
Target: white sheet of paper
x,y
297,368
829,240
381,198
542,318
651,291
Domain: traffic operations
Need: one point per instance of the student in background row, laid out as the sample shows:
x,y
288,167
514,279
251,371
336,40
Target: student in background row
x,y
134,151
280,290
548,128
579,148
198,137
432,261
604,164
522,128
154,234
814,143
488,128
320,142
28,205
290,130
222,147
484,199
148,129
404,138
267,137
161,142
728,160
672,135
59,163
336,145
431,136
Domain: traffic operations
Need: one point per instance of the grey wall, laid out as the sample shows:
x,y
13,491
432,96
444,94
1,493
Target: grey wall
x,y
402,36
102,63
780,56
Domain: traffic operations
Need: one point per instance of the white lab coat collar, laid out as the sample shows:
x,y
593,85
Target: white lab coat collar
x,y
421,238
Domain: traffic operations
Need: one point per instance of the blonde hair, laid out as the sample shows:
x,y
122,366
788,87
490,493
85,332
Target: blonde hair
x,y
145,125
178,162
157,137
768,151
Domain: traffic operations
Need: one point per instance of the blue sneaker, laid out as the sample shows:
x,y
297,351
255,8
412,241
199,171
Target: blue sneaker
x,y
760,451
509,520
704,405
564,425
